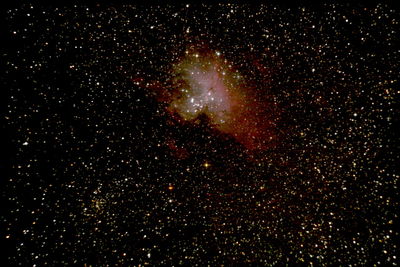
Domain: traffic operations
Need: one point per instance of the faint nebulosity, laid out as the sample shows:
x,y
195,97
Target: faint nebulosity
x,y
194,134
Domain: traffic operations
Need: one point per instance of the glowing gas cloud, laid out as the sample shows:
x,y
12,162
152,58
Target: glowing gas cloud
x,y
207,84
204,91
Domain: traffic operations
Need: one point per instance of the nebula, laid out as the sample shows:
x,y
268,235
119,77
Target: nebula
x,y
206,92
207,84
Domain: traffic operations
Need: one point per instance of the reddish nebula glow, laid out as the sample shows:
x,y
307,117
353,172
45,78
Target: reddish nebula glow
x,y
207,84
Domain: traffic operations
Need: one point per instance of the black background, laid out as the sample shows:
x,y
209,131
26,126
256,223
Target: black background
x,y
92,185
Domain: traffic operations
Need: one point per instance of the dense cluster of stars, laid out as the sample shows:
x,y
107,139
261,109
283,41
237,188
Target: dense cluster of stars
x,y
200,135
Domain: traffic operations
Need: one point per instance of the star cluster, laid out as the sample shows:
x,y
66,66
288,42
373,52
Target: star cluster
x,y
200,135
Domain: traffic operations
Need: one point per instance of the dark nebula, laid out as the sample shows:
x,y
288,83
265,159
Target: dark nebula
x,y
199,135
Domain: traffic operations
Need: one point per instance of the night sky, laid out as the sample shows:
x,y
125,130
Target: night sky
x,y
199,135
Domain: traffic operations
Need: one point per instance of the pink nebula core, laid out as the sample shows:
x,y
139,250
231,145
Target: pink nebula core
x,y
206,93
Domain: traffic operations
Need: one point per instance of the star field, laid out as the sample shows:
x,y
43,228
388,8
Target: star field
x,y
200,135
